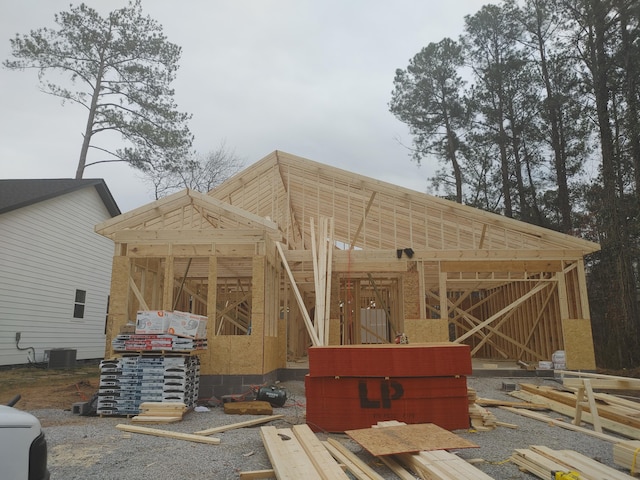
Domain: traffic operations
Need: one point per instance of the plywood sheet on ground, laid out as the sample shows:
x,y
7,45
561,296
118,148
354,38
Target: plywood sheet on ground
x,y
408,439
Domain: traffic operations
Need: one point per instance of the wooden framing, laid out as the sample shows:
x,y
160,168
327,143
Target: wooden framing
x,y
291,241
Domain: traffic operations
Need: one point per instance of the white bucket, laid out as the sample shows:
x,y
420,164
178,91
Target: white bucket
x,y
559,360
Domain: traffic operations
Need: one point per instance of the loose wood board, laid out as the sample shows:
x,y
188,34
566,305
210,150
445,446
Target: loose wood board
x,y
408,439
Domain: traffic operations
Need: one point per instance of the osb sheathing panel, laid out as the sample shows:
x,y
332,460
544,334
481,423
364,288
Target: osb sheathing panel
x,y
578,344
235,355
411,292
334,331
282,343
272,355
422,331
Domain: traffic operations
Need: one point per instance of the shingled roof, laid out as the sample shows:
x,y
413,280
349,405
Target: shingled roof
x,y
15,194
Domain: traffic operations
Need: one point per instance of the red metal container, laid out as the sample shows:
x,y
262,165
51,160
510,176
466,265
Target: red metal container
x,y
390,360
348,403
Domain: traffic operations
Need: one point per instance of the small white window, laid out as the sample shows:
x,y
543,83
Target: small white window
x,y
78,308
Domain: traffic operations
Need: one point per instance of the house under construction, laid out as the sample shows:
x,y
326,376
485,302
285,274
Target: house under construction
x,y
291,253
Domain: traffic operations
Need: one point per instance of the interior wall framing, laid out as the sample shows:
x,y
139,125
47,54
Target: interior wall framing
x,y
510,313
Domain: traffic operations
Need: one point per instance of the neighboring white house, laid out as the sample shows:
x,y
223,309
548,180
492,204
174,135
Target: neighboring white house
x,y
55,271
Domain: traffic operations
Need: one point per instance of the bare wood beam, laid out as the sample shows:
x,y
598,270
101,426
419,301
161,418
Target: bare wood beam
x,y
184,279
584,296
482,236
450,255
506,309
138,294
193,293
471,321
303,310
538,319
502,266
232,321
383,304
442,283
327,301
364,217
506,316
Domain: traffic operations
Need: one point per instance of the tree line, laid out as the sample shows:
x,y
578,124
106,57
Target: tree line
x,y
533,113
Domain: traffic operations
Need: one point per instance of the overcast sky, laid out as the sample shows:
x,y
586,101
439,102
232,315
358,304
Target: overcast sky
x,y
308,77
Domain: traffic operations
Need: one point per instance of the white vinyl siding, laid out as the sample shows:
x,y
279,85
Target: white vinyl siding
x,y
49,250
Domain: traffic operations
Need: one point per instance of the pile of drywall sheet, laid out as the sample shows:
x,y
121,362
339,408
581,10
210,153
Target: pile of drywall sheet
x,y
355,386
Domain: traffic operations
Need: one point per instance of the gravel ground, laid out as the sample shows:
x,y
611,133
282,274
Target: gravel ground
x,y
92,448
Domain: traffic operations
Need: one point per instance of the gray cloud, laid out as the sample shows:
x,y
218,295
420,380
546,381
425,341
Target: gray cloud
x,y
307,77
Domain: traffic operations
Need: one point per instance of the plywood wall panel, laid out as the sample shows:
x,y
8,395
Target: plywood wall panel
x,y
422,331
578,344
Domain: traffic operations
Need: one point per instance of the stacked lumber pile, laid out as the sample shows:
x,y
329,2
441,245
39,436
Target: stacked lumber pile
x,y
627,454
421,449
542,461
610,412
354,386
160,412
441,465
297,453
480,418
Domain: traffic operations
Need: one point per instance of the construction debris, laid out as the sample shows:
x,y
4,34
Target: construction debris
x,y
160,412
612,415
354,465
434,464
480,418
543,462
233,426
393,437
559,423
168,434
255,407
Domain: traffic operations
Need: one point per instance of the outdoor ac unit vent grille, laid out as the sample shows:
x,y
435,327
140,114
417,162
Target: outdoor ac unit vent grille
x,y
62,358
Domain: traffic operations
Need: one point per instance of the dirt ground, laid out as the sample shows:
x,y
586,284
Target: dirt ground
x,y
60,389
47,388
